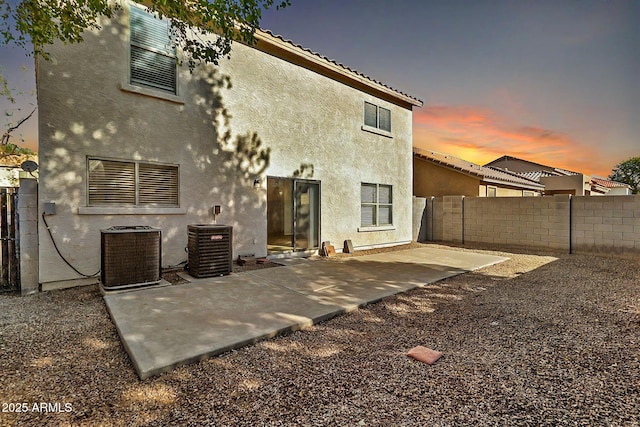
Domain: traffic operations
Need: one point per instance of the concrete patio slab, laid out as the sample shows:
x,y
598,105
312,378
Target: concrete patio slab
x,y
167,327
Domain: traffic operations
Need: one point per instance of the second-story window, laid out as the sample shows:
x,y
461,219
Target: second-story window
x,y
377,117
153,58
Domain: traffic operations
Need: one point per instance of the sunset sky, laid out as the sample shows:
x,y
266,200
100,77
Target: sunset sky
x,y
555,82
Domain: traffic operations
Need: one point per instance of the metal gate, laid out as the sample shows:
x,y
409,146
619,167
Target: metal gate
x,y
10,274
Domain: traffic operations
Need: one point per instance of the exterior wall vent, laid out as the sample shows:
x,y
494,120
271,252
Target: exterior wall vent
x,y
210,252
130,257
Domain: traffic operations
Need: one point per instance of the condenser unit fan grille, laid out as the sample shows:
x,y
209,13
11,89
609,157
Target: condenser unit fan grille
x,y
131,256
210,252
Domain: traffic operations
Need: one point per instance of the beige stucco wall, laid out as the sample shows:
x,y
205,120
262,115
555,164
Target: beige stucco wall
x,y
577,185
619,191
283,120
503,191
432,180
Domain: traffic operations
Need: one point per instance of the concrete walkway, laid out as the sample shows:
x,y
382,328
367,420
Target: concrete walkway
x,y
166,327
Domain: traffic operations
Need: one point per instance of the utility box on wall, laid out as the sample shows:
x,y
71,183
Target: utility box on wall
x,y
210,251
130,257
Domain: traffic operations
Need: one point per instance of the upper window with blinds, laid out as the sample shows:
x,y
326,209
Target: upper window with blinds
x,y
376,205
377,117
152,55
131,183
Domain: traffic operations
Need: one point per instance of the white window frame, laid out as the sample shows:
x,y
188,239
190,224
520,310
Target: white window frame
x,y
495,191
376,204
376,129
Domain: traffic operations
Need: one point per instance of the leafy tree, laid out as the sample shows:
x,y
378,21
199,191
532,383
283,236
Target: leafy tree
x,y
36,24
628,172
4,89
39,23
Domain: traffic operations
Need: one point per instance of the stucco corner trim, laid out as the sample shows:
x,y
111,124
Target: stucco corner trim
x,y
126,87
94,210
377,131
382,228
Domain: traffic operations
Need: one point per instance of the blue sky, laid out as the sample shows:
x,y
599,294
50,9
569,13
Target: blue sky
x,y
551,81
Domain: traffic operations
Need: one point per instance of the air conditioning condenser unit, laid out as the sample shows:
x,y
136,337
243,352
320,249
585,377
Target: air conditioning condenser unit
x,y
210,252
131,256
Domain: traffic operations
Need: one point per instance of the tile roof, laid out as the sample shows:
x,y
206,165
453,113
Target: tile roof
x,y
483,172
608,183
536,175
414,100
535,167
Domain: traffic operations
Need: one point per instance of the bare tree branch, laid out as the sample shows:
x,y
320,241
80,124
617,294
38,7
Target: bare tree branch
x,y
7,135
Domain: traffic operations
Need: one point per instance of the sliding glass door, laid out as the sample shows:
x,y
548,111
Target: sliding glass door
x,y
293,214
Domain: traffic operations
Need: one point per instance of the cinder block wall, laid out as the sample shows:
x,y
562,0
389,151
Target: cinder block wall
x,y
522,221
608,224
433,219
452,219
28,233
583,224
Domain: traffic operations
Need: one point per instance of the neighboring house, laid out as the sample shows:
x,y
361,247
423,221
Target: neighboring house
x,y
272,139
436,174
575,184
11,169
9,176
518,166
614,188
556,180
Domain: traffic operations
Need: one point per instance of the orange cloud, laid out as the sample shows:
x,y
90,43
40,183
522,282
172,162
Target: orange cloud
x,y
481,135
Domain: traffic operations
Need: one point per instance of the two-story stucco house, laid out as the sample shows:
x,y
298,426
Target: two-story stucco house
x,y
290,148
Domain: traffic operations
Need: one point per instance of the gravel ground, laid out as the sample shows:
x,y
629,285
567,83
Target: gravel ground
x,y
537,340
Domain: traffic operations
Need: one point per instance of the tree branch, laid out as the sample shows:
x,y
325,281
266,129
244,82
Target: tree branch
x,y
7,135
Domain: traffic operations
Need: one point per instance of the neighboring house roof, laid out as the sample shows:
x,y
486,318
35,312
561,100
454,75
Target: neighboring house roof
x,y
608,183
600,185
536,175
484,173
329,67
532,167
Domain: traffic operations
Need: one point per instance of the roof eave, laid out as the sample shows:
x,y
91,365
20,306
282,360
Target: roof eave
x,y
448,165
530,186
278,46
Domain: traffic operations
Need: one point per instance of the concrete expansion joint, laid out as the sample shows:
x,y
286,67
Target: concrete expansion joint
x,y
269,281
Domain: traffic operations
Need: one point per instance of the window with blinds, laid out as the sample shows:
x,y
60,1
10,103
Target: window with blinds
x,y
124,183
152,56
377,117
376,205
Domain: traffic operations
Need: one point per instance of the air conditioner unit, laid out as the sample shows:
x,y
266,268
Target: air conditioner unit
x,y
210,252
130,257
